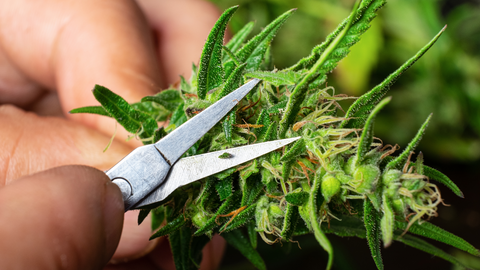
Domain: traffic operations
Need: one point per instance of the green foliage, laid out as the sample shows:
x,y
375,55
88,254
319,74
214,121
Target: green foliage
x,y
358,112
240,242
210,68
336,179
372,226
442,178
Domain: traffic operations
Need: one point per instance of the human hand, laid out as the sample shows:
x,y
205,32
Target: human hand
x,y
51,55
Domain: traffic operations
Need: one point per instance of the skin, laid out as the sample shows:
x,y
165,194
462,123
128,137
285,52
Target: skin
x,y
52,53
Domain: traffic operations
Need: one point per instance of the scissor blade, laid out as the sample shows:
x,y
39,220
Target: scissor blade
x,y
191,169
181,139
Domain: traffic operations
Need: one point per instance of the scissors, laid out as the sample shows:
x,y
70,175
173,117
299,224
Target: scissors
x,y
152,172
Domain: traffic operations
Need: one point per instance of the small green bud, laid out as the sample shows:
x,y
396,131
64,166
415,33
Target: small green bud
x,y
330,186
199,219
275,211
343,177
391,176
297,197
414,184
349,166
399,206
368,176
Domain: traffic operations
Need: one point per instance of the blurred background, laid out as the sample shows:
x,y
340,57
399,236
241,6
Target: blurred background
x,y
445,82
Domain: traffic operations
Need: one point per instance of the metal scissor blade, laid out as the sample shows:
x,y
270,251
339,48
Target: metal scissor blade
x,y
191,169
181,139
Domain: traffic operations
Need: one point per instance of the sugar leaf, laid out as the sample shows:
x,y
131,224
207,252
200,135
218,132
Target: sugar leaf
x,y
224,188
366,138
427,229
399,161
210,70
372,226
132,120
358,112
91,109
170,99
434,174
170,227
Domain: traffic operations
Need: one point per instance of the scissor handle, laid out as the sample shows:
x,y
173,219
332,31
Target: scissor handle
x,y
135,172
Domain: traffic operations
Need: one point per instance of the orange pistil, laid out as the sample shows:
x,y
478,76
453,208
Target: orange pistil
x,y
313,161
304,169
243,167
233,214
248,126
405,168
188,95
389,152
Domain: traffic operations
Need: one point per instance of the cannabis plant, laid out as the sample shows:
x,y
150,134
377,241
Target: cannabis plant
x,y
338,178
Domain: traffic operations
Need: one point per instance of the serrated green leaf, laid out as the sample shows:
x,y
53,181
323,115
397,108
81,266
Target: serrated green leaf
x,y
210,74
366,138
294,151
132,120
314,201
399,161
180,246
253,52
227,125
252,233
358,112
224,187
364,15
433,174
297,197
431,231
158,216
196,249
170,227
387,223
91,109
372,226
426,247
277,78
169,99
324,63
251,189
290,221
178,117
241,219
239,241
264,120
233,81
231,55
238,39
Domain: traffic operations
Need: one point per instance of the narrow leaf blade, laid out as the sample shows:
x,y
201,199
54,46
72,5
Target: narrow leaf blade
x,y
442,178
239,241
372,225
399,161
358,112
210,71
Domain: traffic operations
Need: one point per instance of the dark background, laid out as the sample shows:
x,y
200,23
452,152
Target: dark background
x,y
445,82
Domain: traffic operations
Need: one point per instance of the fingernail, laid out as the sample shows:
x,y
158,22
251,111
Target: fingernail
x,y
113,210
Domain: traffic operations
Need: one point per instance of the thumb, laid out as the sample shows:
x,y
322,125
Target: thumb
x,y
68,217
